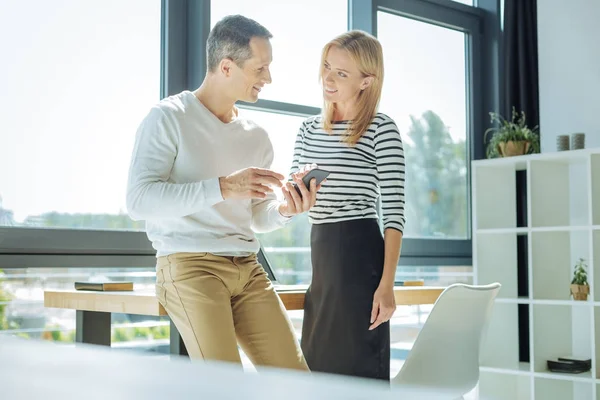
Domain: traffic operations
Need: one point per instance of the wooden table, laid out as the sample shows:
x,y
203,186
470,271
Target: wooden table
x,y
94,309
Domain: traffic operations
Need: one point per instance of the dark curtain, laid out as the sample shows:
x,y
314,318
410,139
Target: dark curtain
x,y
521,91
521,60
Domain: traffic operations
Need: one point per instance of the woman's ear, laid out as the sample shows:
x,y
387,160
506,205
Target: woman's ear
x,y
368,81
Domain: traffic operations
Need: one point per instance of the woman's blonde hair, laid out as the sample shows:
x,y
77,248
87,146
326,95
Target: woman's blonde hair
x,y
367,53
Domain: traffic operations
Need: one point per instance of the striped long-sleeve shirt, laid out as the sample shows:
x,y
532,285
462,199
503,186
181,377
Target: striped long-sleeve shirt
x,y
359,174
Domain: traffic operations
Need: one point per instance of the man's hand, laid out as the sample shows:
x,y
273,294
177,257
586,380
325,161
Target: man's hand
x,y
250,183
298,203
384,305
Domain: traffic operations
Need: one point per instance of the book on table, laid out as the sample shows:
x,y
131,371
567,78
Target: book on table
x,y
104,286
415,282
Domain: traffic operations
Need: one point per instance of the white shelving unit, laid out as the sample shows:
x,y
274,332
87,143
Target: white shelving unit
x,y
563,224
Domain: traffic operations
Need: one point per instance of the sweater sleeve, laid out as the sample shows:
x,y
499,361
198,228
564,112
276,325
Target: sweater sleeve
x,y
389,154
149,192
265,212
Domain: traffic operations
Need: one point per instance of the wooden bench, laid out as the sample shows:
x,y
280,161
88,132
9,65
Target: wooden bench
x,y
94,309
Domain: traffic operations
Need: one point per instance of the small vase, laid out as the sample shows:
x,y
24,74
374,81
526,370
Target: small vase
x,y
562,142
513,148
580,292
578,141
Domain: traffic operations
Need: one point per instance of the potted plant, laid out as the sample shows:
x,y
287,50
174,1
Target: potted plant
x,y
512,138
579,285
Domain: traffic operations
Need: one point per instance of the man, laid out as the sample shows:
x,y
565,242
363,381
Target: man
x,y
200,178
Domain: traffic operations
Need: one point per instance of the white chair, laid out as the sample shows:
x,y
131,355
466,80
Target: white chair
x,y
444,360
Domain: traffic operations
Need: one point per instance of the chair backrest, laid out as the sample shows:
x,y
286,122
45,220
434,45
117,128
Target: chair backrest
x,y
446,352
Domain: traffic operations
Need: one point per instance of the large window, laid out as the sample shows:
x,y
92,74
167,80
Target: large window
x,y
22,311
78,77
74,102
425,92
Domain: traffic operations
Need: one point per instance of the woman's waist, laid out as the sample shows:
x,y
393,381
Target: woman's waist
x,y
342,211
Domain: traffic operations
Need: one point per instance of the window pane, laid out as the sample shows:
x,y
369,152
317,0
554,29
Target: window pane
x,y
425,92
435,275
297,42
467,2
287,249
22,310
80,78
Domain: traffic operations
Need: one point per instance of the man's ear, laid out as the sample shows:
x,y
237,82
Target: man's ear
x,y
225,66
368,81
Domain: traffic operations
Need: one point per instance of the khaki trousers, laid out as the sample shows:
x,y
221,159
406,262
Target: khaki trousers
x,y
216,302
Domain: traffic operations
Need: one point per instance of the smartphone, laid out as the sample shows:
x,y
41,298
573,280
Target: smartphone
x,y
317,173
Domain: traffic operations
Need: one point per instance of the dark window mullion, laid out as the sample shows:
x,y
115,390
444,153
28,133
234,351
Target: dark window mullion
x,y
76,261
18,240
447,13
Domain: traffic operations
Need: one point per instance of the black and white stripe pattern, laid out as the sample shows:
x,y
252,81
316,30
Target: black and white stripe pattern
x,y
359,174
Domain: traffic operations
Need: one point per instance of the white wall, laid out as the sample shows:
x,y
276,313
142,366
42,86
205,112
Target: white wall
x,y
569,70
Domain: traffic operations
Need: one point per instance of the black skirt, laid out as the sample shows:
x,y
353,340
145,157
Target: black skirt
x,y
347,260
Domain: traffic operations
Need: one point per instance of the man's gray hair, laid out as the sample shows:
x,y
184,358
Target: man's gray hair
x,y
230,38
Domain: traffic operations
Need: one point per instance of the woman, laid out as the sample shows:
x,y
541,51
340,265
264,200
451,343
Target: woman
x,y
351,297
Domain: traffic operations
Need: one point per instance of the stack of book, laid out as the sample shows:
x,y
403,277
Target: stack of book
x,y
104,286
416,282
570,365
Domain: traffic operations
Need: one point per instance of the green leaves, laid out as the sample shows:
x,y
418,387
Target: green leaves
x,y
580,273
514,130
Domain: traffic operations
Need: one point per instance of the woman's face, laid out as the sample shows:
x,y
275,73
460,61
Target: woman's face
x,y
340,78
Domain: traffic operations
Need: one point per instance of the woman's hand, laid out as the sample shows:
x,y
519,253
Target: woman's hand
x,y
384,305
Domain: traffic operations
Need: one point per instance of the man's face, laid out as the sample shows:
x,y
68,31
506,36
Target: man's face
x,y
249,80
